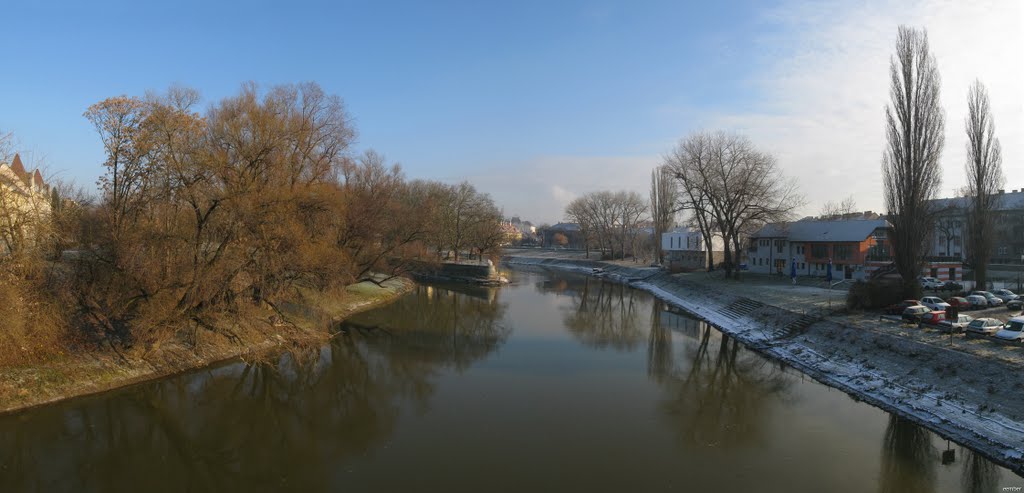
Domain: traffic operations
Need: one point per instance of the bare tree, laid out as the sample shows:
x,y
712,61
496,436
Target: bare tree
x,y
663,204
984,178
737,186
910,164
833,210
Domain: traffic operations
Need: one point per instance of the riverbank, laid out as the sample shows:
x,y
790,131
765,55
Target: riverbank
x,y
306,321
958,391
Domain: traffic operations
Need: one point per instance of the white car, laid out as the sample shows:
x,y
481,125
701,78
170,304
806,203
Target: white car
x,y
930,283
935,303
992,299
961,322
984,326
1005,295
977,301
1013,330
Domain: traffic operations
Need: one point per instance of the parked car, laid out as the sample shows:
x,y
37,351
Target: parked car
x,y
931,318
1005,295
1015,305
977,301
992,299
956,325
951,286
1013,330
914,314
959,303
930,283
898,308
935,303
985,326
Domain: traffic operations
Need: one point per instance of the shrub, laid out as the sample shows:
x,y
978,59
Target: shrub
x,y
873,294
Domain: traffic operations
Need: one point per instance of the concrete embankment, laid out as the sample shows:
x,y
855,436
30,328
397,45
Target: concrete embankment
x,y
482,273
973,400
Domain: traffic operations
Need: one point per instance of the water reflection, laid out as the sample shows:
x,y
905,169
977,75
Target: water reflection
x,y
720,394
603,314
255,426
908,458
384,408
979,474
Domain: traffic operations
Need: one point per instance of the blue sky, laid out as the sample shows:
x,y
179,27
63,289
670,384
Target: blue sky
x,y
534,102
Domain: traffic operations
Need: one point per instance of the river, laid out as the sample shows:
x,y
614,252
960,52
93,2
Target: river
x,y
556,382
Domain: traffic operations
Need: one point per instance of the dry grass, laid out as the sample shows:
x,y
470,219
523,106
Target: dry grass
x,y
259,334
33,328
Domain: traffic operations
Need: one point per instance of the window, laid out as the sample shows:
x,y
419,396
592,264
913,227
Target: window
x,y
843,252
819,251
778,246
1002,250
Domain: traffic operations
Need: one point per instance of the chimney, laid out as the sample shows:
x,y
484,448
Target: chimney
x,y
1001,192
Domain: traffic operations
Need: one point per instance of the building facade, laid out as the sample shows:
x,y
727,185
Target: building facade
x,y
811,245
685,248
949,237
24,205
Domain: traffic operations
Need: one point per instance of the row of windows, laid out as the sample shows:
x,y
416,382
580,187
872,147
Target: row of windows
x,y
761,261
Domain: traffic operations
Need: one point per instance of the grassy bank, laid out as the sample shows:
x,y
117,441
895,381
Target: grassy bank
x,y
260,333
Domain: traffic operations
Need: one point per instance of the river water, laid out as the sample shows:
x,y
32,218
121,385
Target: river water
x,y
554,383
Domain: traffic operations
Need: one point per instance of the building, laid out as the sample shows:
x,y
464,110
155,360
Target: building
x,y
684,248
24,204
949,238
571,231
850,245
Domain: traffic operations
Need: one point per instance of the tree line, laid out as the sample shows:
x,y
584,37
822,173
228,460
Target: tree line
x,y
726,186
915,137
200,215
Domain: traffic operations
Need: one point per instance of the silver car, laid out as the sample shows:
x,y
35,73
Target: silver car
x,y
984,326
993,300
1005,295
957,325
1013,330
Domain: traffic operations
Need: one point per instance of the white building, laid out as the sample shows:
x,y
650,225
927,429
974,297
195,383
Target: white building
x,y
24,205
685,248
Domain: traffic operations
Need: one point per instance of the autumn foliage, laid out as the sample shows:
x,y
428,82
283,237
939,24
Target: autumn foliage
x,y
205,218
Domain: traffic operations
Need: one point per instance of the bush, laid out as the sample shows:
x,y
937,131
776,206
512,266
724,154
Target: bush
x,y
33,325
874,294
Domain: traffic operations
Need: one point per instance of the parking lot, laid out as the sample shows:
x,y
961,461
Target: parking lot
x,y
811,295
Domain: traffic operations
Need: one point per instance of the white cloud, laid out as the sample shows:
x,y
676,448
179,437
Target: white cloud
x,y
825,93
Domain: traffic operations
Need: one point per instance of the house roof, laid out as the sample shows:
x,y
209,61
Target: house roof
x,y
810,231
565,227
1003,202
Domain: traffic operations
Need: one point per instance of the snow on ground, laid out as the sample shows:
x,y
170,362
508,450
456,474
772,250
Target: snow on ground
x,y
971,393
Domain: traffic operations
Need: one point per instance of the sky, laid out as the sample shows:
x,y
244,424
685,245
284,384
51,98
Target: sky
x,y
534,102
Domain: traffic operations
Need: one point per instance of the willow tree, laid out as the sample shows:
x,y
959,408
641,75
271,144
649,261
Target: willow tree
x,y
984,178
915,123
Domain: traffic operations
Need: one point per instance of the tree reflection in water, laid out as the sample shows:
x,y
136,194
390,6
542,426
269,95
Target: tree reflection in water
x,y
605,315
255,426
979,474
908,458
719,394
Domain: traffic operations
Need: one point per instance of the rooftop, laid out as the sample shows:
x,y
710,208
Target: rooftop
x,y
810,231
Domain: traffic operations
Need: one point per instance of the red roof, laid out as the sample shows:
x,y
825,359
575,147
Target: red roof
x,y
19,169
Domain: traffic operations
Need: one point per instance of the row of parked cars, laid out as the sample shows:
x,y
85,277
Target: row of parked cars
x,y
945,314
